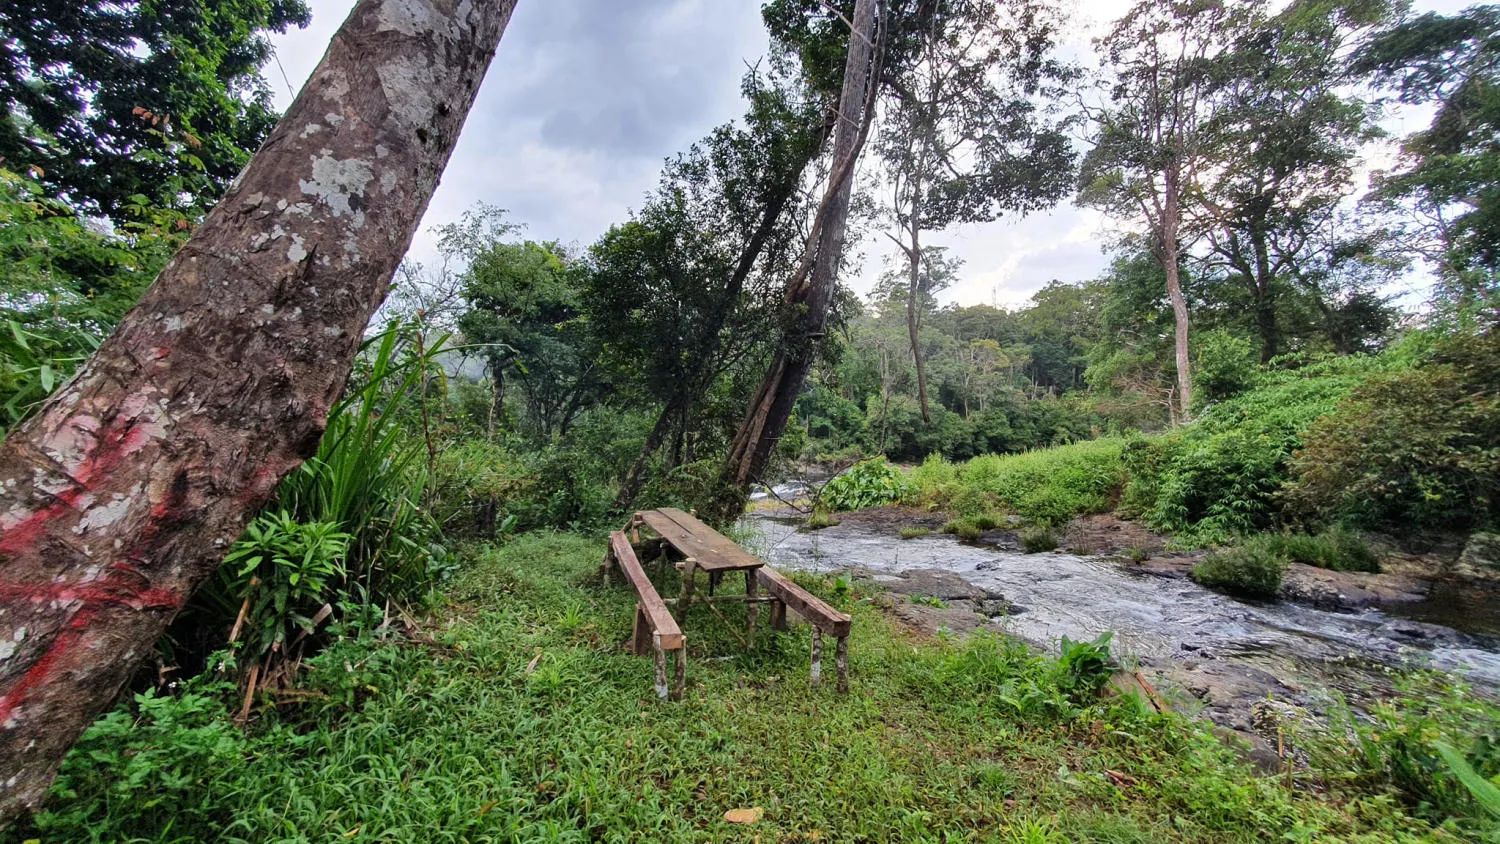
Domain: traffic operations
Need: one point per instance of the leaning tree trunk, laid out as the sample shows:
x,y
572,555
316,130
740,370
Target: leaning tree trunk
x,y
772,405
123,494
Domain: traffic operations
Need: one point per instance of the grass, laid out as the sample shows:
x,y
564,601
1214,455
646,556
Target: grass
x,y
821,518
522,719
1035,540
1047,486
914,531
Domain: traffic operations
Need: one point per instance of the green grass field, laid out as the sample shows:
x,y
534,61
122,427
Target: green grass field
x,y
456,740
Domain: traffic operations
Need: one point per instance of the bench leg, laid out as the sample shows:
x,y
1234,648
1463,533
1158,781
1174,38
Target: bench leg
x,y
843,664
679,680
778,615
689,567
817,656
640,640
752,607
661,672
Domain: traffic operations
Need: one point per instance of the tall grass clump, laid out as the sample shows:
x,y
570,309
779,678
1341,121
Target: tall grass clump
x,y
346,536
1253,569
1048,486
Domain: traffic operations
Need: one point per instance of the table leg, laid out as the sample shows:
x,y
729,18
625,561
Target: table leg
x,y
778,615
685,597
817,656
679,682
661,671
752,607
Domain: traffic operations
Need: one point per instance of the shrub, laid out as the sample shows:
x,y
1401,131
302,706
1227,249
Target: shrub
x,y
1397,743
1221,475
283,571
1337,548
1048,487
1253,569
914,531
934,480
820,519
1418,448
1034,540
1084,667
964,529
872,483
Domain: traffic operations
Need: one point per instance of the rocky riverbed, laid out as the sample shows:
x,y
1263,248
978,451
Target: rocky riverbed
x,y
1204,651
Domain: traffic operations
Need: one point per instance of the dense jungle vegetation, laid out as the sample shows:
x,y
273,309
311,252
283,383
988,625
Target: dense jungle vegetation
x,y
407,643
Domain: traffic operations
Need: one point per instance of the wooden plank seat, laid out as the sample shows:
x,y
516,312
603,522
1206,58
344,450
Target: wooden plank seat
x,y
823,618
655,630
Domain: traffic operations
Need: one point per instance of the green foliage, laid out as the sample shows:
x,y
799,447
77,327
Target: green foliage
x,y
64,283
347,528
914,531
284,571
1047,487
33,365
1253,569
1336,548
1224,366
871,483
1397,747
820,519
966,528
124,105
1220,476
1417,448
1034,540
521,722
1485,792
1083,668
155,763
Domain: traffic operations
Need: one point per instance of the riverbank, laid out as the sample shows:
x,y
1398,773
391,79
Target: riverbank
x,y
516,714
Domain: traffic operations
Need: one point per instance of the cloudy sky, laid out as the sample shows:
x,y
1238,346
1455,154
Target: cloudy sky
x,y
586,98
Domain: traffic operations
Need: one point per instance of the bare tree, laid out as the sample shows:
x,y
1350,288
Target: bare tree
x,y
121,496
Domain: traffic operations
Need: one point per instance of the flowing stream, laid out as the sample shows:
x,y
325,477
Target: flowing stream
x,y
1159,620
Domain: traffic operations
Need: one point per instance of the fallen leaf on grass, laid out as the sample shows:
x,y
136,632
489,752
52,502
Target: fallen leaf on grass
x,y
531,666
744,815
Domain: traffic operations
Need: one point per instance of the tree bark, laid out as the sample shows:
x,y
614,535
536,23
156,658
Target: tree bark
x,y
124,493
702,357
914,253
772,406
1171,220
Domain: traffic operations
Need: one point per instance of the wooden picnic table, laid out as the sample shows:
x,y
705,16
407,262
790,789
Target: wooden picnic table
x,y
702,547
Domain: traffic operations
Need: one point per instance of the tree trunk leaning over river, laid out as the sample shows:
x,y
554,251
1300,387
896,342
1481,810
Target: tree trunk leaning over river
x,y
122,495
811,292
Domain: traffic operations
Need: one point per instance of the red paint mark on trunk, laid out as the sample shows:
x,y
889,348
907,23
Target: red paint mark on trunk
x,y
93,597
121,438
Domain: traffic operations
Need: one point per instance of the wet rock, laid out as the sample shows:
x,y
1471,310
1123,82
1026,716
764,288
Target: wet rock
x,y
1349,590
958,617
932,583
1003,540
1480,559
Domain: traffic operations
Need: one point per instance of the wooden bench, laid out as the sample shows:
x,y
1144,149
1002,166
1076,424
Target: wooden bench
x,y
822,617
700,547
655,628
